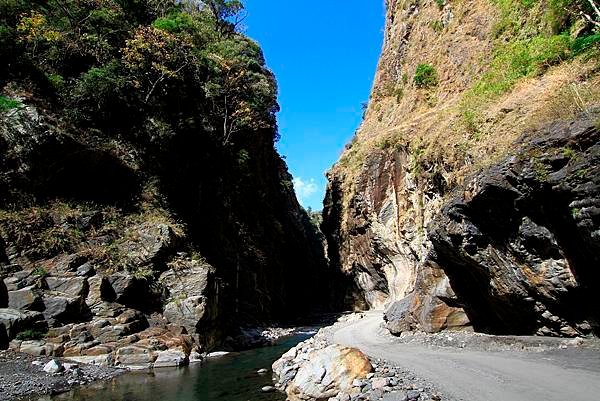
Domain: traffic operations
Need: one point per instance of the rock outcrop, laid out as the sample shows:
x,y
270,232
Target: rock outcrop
x,y
466,199
521,240
107,274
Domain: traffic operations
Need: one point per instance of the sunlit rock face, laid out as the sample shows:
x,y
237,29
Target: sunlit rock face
x,y
452,209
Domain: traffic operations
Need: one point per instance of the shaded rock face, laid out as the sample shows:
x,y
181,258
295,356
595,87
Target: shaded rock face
x,y
92,261
520,243
234,217
38,160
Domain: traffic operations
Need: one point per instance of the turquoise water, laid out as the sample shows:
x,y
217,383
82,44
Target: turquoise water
x,y
230,378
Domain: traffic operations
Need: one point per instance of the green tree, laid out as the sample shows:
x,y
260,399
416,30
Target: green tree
x,y
241,90
154,56
228,14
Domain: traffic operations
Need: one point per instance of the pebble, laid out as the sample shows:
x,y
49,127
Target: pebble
x,y
23,376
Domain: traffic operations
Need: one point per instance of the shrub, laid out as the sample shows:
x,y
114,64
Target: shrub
x,y
56,80
8,104
40,272
98,91
174,23
30,334
581,45
521,58
425,76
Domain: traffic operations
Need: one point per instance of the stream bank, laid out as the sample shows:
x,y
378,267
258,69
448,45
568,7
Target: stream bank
x,y
232,377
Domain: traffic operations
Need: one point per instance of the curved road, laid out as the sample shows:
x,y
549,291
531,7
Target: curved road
x,y
462,374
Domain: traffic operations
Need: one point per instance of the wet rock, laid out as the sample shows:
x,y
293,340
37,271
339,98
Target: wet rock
x,y
170,358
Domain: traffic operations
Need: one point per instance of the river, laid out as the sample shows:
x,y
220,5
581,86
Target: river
x,y
232,377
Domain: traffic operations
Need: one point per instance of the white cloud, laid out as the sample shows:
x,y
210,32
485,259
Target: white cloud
x,y
304,189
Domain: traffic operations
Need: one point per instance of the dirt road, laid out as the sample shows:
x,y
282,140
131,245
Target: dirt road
x,y
475,375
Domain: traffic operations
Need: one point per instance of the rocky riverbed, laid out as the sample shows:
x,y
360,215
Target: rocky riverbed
x,y
23,375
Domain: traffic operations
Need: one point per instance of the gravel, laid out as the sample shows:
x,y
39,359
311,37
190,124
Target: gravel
x,y
23,375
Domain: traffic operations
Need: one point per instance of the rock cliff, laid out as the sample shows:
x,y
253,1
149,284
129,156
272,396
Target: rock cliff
x,y
103,262
467,197
145,215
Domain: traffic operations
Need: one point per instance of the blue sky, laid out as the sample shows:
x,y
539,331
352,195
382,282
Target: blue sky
x,y
324,55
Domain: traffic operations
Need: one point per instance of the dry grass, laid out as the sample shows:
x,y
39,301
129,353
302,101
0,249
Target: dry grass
x,y
453,127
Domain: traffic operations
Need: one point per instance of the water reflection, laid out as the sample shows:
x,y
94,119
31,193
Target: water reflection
x,y
230,378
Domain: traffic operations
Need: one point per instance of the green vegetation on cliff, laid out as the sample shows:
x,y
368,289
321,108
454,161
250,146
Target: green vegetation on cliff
x,y
118,63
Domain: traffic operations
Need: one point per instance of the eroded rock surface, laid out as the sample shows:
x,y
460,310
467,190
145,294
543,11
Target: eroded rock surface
x,y
521,241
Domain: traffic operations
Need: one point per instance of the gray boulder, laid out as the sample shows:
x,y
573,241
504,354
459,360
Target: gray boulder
x,y
185,289
187,312
70,286
171,359
135,357
54,366
60,310
26,298
15,321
